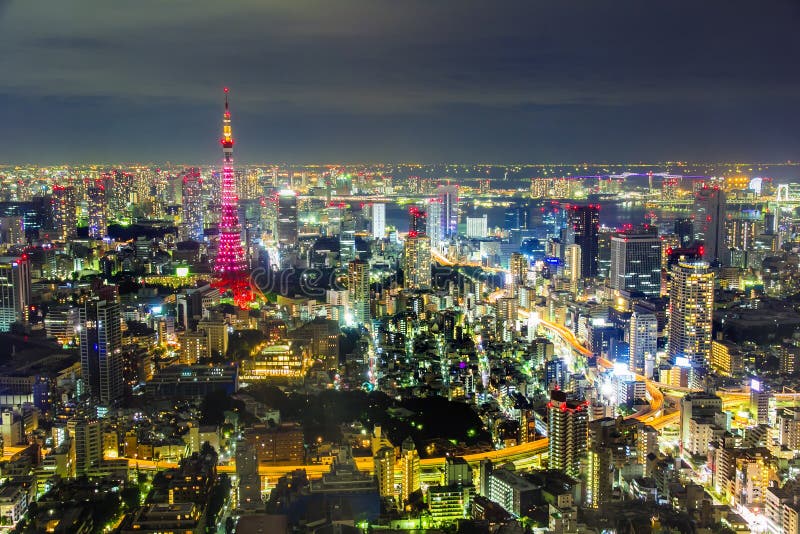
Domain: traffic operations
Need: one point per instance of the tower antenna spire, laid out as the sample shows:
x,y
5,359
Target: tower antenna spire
x,y
230,264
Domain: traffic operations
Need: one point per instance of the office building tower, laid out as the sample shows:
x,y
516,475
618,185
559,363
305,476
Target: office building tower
x,y
88,437
696,406
760,399
417,262
97,206
192,210
477,227
417,221
573,266
433,223
378,221
287,218
384,470
230,265
741,232
249,479
515,221
567,421
409,470
358,288
555,373
447,195
347,239
518,269
691,310
684,229
603,439
643,341
15,290
636,264
709,224
583,225
65,212
100,336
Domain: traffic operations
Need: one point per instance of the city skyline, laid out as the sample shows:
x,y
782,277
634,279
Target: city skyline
x,y
382,82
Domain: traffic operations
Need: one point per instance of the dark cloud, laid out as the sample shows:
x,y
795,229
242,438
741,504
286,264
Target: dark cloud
x,y
380,79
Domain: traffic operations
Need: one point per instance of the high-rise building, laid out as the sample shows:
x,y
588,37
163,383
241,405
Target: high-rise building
x,y
100,335
584,224
433,223
97,206
643,340
684,229
691,309
574,266
709,224
15,290
249,487
567,421
417,262
636,263
417,221
65,212
447,195
694,406
88,437
230,265
518,269
287,218
600,462
409,469
384,470
358,288
192,205
347,239
477,227
378,221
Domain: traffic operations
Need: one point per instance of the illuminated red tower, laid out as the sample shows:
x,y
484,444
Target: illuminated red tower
x,y
230,265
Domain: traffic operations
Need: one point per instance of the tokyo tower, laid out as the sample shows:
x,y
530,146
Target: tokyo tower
x,y
230,266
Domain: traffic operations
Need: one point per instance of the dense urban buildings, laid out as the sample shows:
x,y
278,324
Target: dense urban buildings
x,y
398,358
457,280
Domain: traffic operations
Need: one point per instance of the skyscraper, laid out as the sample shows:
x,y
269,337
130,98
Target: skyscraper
x,y
410,470
584,223
417,221
417,261
97,205
384,471
643,340
101,350
567,433
684,229
65,212
192,205
15,290
433,222
691,309
287,218
88,437
230,265
709,224
636,263
574,266
516,220
378,221
358,287
447,196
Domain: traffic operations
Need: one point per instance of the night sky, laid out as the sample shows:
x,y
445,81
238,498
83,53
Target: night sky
x,y
400,80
